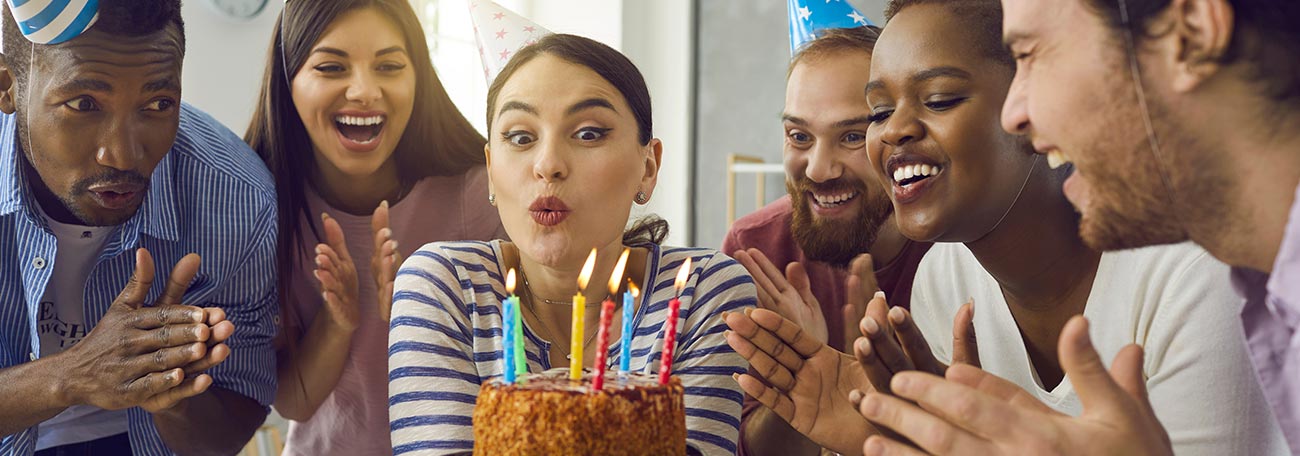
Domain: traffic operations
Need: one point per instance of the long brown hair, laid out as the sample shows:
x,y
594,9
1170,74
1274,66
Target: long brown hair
x,y
621,73
438,141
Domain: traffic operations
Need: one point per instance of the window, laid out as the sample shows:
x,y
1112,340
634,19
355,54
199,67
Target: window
x,y
454,51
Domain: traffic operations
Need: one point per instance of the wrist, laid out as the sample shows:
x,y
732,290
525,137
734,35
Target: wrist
x,y
61,383
336,327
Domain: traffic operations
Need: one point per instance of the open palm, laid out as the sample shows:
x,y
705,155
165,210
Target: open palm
x,y
804,381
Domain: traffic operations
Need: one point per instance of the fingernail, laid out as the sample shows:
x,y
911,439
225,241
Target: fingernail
x,y
318,250
387,232
726,334
870,326
863,345
902,384
736,377
880,294
855,396
748,310
873,448
392,245
869,406
324,216
896,315
384,204
171,376
322,296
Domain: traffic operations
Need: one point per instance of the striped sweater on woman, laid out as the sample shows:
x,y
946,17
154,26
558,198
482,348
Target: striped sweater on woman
x,y
445,341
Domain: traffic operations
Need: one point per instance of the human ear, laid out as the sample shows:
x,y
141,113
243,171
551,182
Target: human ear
x,y
1203,29
8,90
653,161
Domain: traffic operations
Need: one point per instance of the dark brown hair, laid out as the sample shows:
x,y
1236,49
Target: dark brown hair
x,y
438,141
616,69
983,16
835,40
1265,34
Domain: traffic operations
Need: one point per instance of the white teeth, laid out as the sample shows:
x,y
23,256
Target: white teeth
x,y
1056,158
359,121
833,199
906,172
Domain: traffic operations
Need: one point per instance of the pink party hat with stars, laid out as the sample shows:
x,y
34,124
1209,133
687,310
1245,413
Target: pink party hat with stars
x,y
500,33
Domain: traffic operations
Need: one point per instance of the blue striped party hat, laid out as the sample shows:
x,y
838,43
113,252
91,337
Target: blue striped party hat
x,y
53,21
809,17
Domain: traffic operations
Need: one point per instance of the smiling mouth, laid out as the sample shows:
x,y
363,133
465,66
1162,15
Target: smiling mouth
x,y
834,200
359,129
907,175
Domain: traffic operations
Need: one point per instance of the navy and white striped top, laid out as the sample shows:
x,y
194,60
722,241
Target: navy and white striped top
x,y
445,340
209,195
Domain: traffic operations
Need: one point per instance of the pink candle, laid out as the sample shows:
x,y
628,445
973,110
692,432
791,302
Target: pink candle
x,y
607,317
602,343
670,325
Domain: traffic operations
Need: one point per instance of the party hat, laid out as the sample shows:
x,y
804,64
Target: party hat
x,y
53,21
809,17
500,33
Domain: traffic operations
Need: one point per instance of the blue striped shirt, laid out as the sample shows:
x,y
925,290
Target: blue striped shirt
x,y
445,340
209,195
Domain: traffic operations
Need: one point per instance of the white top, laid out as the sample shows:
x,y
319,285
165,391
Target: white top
x,y
62,323
1175,301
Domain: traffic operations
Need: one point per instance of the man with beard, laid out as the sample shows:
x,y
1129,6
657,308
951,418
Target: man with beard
x,y
836,210
102,171
1190,130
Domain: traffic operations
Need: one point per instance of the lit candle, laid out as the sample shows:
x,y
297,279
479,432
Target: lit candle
x,y
607,316
579,312
629,307
670,325
508,323
521,357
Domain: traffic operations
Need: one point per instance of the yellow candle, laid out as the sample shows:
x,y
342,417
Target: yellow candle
x,y
580,314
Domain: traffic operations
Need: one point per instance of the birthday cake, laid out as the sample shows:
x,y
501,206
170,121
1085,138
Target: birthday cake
x,y
548,414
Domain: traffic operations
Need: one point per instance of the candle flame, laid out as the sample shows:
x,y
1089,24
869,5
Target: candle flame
x,y
510,281
617,276
632,288
587,268
682,274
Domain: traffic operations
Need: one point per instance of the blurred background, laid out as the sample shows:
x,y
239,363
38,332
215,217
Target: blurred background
x,y
715,68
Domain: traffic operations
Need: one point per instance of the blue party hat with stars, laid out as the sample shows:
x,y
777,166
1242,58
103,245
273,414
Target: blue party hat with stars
x,y
53,21
809,17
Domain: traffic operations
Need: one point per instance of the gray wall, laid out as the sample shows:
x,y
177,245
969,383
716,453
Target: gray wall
x,y
743,48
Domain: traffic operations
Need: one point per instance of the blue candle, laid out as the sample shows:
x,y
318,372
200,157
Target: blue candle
x,y
508,310
629,313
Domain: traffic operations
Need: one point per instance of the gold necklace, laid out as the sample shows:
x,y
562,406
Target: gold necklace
x,y
568,354
534,294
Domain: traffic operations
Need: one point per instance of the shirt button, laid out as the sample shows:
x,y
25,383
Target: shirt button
x,y
31,356
38,263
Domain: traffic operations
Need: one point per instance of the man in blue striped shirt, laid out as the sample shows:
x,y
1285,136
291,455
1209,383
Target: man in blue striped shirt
x,y
103,172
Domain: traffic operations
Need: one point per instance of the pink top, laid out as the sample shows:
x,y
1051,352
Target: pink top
x,y
353,420
1271,318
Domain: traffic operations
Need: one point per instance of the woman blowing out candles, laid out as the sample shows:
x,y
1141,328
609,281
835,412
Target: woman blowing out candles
x,y
570,151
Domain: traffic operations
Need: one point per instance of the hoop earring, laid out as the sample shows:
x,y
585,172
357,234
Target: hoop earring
x,y
641,197
492,199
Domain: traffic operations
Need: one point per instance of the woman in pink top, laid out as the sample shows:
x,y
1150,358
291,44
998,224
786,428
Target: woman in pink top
x,y
353,119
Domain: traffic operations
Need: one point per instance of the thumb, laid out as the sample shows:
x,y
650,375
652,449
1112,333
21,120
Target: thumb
x,y
1098,392
798,278
965,349
1126,370
137,287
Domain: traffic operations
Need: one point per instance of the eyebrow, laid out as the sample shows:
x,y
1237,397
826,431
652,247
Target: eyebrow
x,y
590,103
87,85
517,106
160,85
342,53
861,120
925,75
1011,37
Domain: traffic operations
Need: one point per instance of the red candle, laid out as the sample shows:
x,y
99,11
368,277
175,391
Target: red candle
x,y
602,343
607,317
670,325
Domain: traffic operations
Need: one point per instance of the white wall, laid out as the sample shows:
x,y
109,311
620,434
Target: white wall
x,y
224,61
657,37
